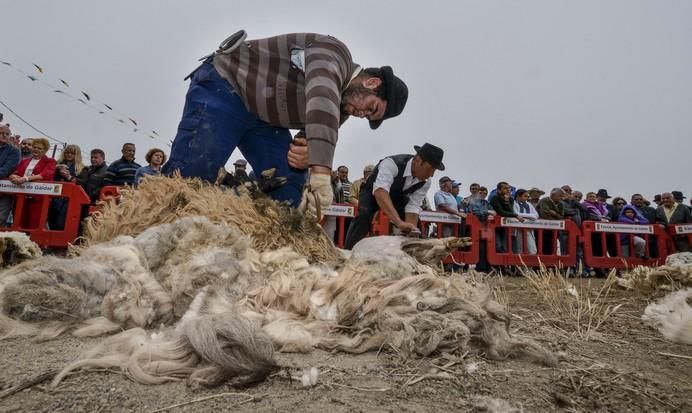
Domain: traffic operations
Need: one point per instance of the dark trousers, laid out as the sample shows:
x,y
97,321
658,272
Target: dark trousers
x,y
367,208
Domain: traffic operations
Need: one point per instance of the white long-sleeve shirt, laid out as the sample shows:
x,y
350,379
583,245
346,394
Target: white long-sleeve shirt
x,y
387,171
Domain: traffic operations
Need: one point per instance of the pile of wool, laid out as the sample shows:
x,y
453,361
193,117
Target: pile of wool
x,y
672,316
16,247
676,273
219,306
158,200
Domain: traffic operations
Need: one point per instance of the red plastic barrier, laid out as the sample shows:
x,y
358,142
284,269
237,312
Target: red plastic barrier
x,y
42,192
545,231
603,247
472,229
342,212
677,231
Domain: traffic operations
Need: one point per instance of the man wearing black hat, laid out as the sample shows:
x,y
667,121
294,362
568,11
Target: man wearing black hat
x,y
397,186
248,94
603,197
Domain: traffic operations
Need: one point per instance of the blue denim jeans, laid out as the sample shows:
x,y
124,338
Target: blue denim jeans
x,y
215,122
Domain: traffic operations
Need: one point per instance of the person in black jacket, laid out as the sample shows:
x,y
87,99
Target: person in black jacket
x,y
503,204
91,178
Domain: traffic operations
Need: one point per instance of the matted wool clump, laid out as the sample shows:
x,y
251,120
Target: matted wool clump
x,y
160,200
676,273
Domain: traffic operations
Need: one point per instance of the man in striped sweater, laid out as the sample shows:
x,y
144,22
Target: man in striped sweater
x,y
250,93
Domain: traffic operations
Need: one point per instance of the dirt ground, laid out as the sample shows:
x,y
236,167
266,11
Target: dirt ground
x,y
620,368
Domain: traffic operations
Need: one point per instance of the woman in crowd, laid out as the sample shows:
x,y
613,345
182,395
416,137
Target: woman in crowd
x,y
69,166
38,167
155,158
630,215
523,208
618,204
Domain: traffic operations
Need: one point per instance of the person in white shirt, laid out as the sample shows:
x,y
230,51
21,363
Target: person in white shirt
x,y
397,186
526,210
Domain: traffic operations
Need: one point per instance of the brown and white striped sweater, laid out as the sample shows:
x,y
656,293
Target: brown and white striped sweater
x,y
281,94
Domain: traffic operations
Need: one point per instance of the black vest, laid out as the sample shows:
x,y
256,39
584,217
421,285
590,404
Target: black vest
x,y
397,193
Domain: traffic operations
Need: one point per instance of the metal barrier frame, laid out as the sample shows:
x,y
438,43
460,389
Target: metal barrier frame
x,y
45,191
601,229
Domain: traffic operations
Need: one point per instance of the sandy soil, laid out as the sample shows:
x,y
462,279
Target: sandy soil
x,y
620,368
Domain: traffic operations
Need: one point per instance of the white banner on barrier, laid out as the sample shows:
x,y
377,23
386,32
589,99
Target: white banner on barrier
x,y
36,188
443,217
537,224
683,229
625,228
339,211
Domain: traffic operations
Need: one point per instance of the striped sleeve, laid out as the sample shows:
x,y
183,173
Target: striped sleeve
x,y
327,65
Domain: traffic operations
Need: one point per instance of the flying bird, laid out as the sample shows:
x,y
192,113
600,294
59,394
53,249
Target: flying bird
x,y
108,106
64,83
86,96
39,68
133,121
33,79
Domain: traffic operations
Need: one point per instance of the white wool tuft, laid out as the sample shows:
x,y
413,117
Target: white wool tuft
x,y
672,316
309,377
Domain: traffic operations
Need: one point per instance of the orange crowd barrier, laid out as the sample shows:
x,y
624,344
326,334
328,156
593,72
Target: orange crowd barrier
x,y
604,246
532,243
679,231
30,214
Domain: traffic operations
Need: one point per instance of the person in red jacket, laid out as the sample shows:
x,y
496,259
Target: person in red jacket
x,y
37,168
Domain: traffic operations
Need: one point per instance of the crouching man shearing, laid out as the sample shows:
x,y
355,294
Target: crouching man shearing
x,y
397,186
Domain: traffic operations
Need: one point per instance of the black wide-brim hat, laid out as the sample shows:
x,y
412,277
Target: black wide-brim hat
x,y
396,94
431,154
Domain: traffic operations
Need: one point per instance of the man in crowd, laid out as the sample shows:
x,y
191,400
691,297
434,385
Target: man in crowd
x,y
679,198
671,212
647,212
535,195
466,202
355,187
91,178
397,186
602,196
657,200
25,147
456,187
342,191
572,207
249,93
551,207
122,172
446,202
9,159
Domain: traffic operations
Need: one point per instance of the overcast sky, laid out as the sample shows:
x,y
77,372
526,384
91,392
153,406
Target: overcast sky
x,y
595,94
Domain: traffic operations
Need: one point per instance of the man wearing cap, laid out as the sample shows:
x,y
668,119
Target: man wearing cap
x,y
248,94
397,186
446,202
355,187
535,195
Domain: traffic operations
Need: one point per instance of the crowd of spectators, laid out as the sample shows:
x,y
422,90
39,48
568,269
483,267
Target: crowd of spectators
x,y
26,160
561,203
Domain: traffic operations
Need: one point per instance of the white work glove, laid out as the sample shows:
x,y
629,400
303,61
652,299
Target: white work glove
x,y
317,195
